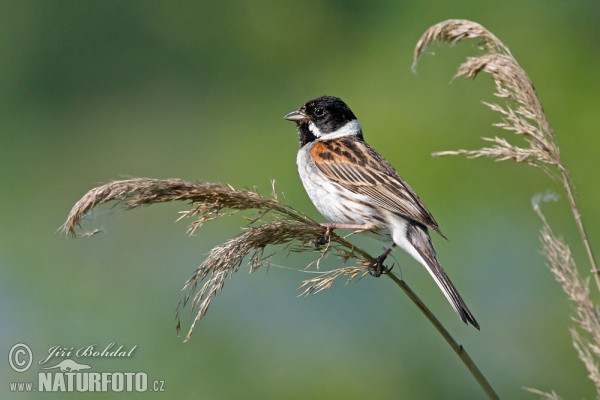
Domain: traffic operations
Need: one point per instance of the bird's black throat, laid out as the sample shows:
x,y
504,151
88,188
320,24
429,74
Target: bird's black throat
x,y
305,136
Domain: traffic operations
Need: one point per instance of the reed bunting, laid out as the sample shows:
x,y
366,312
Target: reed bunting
x,y
354,187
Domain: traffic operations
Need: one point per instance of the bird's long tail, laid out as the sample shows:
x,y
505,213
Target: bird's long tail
x,y
419,239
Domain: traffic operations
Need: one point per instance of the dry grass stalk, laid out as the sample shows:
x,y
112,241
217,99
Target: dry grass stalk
x,y
275,224
562,265
227,258
212,199
522,114
551,396
587,316
588,353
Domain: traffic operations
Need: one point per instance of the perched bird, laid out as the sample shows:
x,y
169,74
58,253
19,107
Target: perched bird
x,y
354,187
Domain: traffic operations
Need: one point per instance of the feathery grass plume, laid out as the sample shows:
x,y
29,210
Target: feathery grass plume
x,y
296,236
274,224
587,316
522,113
212,199
280,224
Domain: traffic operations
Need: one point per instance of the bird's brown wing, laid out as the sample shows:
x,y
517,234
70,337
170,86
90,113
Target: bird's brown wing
x,y
356,166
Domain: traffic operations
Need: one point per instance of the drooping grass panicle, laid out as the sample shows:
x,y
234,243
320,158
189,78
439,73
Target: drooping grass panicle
x,y
522,113
211,200
227,258
586,314
562,265
273,224
588,354
455,30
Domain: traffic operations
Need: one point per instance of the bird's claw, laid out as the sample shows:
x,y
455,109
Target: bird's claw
x,y
377,269
320,242
323,240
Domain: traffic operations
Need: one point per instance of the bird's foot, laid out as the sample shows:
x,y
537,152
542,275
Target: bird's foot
x,y
323,240
329,227
377,268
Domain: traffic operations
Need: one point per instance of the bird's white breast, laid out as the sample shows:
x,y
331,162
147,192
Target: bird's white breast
x,y
331,199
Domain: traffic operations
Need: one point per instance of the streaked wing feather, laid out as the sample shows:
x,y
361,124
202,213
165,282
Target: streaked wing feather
x,y
359,168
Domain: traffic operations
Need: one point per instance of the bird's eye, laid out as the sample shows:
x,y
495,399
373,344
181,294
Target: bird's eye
x,y
319,112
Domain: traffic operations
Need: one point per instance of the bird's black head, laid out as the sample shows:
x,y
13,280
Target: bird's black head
x,y
324,117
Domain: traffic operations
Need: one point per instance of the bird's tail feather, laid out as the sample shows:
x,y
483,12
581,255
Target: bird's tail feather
x,y
419,238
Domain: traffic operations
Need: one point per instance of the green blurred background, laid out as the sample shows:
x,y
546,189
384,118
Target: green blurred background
x,y
97,90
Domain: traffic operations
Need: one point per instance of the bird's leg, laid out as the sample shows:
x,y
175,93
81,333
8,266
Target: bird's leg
x,y
325,238
377,267
330,226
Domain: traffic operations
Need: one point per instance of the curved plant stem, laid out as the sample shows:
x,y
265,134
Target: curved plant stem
x,y
285,226
577,215
458,349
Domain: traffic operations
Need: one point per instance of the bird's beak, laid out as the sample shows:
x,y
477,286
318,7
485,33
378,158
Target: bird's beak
x,y
295,116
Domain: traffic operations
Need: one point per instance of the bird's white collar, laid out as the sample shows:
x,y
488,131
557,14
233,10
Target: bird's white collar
x,y
352,128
